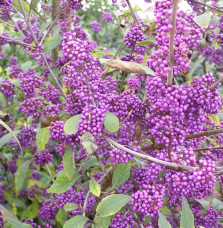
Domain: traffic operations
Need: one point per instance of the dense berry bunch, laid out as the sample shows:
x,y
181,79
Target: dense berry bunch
x,y
107,17
96,27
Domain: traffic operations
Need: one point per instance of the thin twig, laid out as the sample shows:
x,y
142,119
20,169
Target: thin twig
x,y
171,43
133,13
17,27
211,7
209,148
214,85
150,158
187,137
89,193
48,30
42,55
17,41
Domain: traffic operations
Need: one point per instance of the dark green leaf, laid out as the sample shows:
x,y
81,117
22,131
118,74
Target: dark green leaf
x,y
20,175
62,184
121,174
110,205
111,122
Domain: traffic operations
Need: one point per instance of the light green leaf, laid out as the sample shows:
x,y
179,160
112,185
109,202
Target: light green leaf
x,y
87,140
215,119
70,126
102,222
162,222
212,141
17,5
93,161
77,222
2,100
15,223
187,217
94,187
70,206
203,20
42,137
217,204
16,82
20,175
102,61
146,42
120,175
53,43
61,216
11,132
111,122
6,138
204,203
146,69
62,184
110,205
68,163
26,66
90,147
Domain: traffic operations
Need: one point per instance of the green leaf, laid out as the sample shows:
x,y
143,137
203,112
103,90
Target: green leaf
x,y
162,222
2,100
217,204
87,140
146,69
6,212
16,82
212,141
102,61
94,187
203,20
70,126
90,147
187,217
62,184
204,203
26,66
17,5
111,122
70,206
102,222
53,43
77,222
20,175
110,205
6,138
42,137
33,208
15,223
121,174
93,161
68,163
215,119
61,216
146,42
11,132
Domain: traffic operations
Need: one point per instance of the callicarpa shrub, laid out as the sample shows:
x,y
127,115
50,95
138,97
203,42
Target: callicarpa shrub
x,y
111,121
